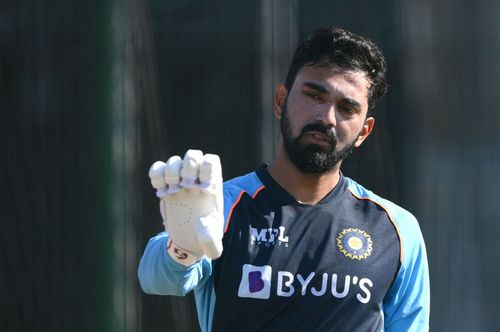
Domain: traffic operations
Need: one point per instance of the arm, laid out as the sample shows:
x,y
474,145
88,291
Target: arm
x,y
190,191
407,305
159,274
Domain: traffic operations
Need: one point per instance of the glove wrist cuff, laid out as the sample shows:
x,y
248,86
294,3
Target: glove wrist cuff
x,y
180,255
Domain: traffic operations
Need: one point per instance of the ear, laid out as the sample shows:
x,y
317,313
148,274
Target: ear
x,y
279,100
365,131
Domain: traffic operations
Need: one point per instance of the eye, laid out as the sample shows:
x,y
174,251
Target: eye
x,y
312,95
348,110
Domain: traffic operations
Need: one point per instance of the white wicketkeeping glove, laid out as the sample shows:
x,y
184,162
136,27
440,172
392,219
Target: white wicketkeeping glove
x,y
191,205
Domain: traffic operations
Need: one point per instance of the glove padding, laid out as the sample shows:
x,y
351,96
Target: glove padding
x,y
191,205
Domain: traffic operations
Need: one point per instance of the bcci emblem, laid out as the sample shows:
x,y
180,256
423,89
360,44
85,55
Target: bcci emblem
x,y
355,243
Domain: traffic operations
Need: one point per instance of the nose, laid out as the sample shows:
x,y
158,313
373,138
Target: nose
x,y
327,114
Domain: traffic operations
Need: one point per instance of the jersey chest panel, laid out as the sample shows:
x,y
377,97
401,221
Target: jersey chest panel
x,y
323,267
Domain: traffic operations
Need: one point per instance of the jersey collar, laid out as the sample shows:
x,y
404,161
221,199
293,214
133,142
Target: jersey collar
x,y
282,195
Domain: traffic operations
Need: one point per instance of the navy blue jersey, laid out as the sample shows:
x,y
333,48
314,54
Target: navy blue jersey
x,y
351,262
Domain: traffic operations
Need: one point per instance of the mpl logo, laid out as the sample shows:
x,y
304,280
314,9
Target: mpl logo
x,y
269,236
255,282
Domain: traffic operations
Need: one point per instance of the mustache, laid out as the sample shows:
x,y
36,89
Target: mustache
x,y
321,128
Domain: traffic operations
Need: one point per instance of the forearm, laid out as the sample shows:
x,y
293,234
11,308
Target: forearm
x,y
159,274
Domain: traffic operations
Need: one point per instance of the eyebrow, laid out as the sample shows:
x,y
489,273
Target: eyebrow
x,y
317,87
353,103
320,88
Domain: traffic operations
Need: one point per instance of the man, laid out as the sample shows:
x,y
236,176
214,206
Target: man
x,y
304,248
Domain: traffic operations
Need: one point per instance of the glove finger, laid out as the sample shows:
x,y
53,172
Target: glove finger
x,y
210,172
191,168
172,173
209,235
210,246
157,178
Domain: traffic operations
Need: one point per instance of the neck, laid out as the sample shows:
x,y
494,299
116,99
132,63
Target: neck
x,y
306,188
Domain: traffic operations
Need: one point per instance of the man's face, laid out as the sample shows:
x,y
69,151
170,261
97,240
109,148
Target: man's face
x,y
324,116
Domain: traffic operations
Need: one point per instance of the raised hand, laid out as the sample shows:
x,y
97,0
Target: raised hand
x,y
191,204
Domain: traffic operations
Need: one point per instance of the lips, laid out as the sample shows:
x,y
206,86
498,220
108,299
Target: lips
x,y
317,136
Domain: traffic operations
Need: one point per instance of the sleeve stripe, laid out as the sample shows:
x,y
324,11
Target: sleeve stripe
x,y
258,191
390,218
236,203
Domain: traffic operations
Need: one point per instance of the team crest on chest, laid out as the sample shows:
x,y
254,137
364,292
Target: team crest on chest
x,y
355,243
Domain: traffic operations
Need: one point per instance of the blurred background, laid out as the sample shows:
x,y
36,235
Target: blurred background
x,y
93,92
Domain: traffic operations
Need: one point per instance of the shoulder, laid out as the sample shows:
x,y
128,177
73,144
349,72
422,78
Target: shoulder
x,y
404,222
406,306
248,183
234,189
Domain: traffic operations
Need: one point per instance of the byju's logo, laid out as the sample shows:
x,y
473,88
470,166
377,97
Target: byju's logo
x,y
255,282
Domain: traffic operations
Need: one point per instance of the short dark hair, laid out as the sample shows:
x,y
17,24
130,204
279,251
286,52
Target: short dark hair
x,y
345,50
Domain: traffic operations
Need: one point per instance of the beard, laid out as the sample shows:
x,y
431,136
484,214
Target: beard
x,y
312,158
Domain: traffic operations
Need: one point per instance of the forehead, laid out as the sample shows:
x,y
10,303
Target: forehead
x,y
352,83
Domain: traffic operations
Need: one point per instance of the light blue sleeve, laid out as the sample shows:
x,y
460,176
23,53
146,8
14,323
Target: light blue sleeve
x,y
406,307
407,304
159,274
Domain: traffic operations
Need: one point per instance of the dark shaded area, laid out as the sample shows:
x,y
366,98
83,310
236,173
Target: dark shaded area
x,y
54,92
